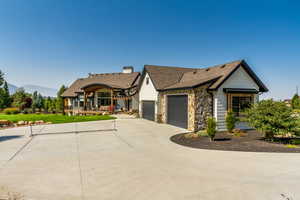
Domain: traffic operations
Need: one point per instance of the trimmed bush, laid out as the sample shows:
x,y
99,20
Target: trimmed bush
x,y
211,128
9,111
230,121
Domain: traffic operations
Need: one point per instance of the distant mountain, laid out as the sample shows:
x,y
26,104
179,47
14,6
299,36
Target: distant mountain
x,y
12,88
40,89
31,88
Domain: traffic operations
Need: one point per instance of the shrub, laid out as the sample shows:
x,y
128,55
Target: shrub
x,y
27,111
211,128
272,117
295,141
202,133
230,121
9,111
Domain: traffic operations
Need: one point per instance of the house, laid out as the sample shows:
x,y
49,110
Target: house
x,y
100,93
185,97
179,96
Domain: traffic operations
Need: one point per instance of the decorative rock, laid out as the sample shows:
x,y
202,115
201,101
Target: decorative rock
x,y
30,123
39,122
21,123
5,123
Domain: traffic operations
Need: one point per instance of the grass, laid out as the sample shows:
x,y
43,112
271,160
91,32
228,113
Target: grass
x,y
292,146
53,118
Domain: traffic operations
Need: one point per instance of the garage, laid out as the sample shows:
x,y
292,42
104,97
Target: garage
x,y
148,110
177,111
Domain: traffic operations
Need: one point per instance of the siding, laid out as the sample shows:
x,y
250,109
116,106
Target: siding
x,y
148,93
240,79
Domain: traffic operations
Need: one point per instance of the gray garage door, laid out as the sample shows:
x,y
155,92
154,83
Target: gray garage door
x,y
177,110
148,110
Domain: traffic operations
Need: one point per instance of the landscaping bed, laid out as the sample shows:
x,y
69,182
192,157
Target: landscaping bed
x,y
250,141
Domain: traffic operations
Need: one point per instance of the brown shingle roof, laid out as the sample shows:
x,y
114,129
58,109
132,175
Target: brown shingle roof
x,y
165,78
114,80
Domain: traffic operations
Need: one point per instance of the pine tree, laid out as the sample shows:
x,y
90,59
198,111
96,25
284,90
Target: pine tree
x,y
60,100
39,103
34,101
6,97
295,102
1,78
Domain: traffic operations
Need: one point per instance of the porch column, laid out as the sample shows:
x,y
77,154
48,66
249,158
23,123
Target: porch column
x,y
112,100
84,100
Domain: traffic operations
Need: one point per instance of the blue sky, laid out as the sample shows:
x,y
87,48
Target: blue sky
x,y
53,42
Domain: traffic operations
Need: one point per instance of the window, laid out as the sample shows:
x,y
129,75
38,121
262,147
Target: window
x,y
147,80
104,102
104,98
239,104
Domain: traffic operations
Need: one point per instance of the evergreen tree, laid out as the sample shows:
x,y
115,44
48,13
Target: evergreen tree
x,y
295,102
39,102
6,96
47,104
5,100
34,101
1,78
60,100
19,98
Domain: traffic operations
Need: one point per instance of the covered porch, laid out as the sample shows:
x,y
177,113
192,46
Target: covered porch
x,y
99,99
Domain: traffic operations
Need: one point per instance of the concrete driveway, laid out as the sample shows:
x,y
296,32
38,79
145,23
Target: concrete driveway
x,y
138,161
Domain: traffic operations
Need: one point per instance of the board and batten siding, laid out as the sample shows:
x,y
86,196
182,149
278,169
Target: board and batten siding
x,y
239,79
148,93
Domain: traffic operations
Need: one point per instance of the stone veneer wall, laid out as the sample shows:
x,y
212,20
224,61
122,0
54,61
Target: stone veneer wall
x,y
162,102
203,107
199,106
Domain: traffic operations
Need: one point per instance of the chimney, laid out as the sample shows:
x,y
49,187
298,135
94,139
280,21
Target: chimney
x,y
127,69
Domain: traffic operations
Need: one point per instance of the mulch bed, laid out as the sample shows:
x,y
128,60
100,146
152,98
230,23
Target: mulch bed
x,y
252,142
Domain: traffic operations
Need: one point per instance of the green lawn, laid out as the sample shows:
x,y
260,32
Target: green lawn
x,y
53,118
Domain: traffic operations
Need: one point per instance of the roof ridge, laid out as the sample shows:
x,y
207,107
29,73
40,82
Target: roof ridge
x,y
218,65
147,65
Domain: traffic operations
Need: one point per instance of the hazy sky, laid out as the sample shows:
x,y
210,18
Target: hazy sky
x,y
53,42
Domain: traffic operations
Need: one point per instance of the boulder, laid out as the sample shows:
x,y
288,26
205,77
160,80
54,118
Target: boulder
x,y
21,123
105,113
39,122
5,123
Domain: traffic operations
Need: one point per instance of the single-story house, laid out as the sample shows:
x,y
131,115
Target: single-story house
x,y
103,92
179,96
185,97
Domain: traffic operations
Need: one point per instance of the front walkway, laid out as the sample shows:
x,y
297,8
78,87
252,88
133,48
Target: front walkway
x,y
138,161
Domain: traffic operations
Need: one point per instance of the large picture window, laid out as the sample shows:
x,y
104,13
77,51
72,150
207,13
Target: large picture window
x,y
104,98
239,104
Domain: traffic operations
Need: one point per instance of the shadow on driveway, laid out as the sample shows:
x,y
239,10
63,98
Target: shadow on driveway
x,y
4,138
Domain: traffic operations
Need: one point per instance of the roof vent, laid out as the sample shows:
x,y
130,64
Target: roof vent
x,y
127,69
195,72
207,69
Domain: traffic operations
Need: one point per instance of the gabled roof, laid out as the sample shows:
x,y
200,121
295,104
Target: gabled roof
x,y
113,80
168,78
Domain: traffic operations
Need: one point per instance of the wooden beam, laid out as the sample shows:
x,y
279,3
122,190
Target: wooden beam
x,y
112,100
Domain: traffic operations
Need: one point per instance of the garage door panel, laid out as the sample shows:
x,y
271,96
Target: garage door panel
x,y
178,110
148,110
